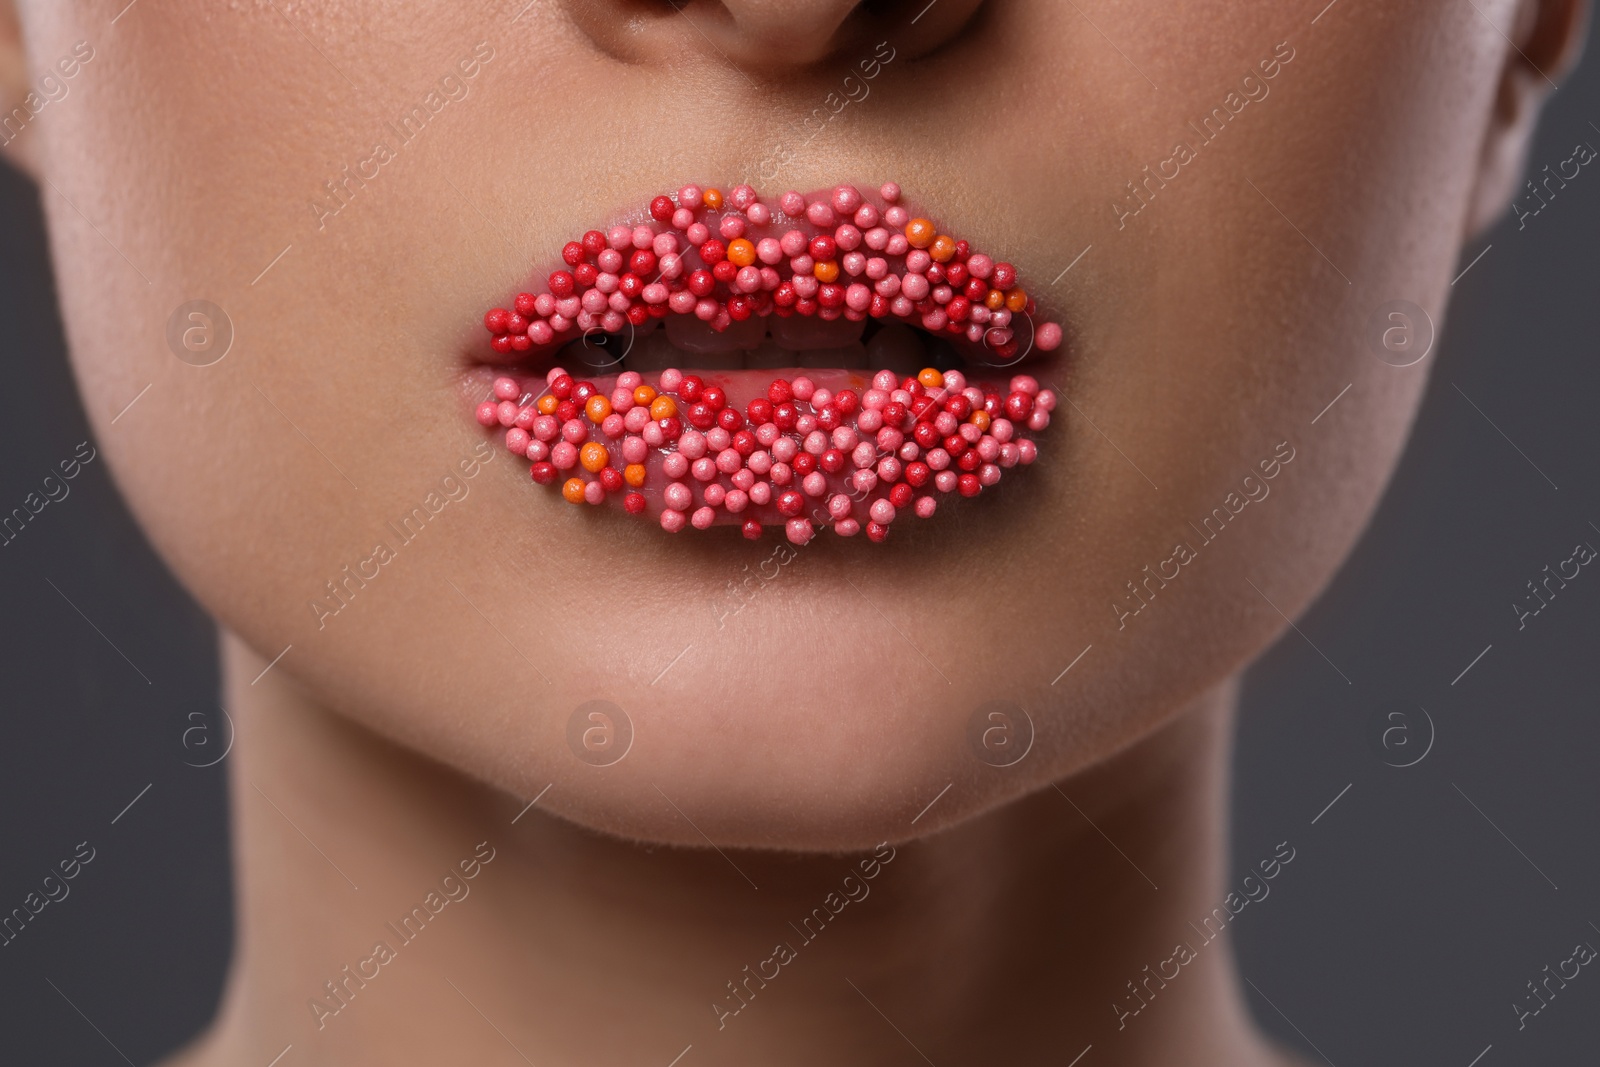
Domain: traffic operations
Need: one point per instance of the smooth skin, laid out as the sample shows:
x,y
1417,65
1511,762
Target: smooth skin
x,y
1206,331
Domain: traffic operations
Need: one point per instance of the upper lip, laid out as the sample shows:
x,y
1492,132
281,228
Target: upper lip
x,y
657,270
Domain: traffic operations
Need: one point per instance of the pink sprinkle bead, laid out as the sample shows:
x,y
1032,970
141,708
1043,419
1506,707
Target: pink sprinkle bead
x,y
703,518
890,193
672,521
799,531
735,501
1048,337
564,456
945,481
677,496
488,413
714,494
691,196
594,493
793,204
506,389
675,465
517,441
847,527
506,413
925,507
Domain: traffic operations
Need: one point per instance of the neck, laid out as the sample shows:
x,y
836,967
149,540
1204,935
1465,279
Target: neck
x,y
1022,936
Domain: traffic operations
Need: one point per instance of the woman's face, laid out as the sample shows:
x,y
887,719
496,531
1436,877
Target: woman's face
x,y
1222,200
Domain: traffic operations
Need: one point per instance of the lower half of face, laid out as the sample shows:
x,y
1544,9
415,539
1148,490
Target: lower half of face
x,y
1212,213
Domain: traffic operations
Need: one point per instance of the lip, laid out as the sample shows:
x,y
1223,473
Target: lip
x,y
741,281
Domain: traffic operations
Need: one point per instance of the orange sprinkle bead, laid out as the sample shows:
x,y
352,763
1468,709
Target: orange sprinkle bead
x,y
1016,300
594,457
634,474
662,407
943,249
920,233
597,408
713,199
995,300
572,490
547,404
644,396
741,253
931,378
981,420
826,271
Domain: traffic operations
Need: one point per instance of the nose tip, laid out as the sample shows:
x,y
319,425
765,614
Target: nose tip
x,y
762,36
767,33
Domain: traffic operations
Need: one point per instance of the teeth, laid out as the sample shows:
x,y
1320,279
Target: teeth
x,y
849,357
692,335
799,333
894,347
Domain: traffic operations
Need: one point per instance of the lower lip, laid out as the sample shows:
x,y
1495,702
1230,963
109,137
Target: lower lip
x,y
799,449
828,456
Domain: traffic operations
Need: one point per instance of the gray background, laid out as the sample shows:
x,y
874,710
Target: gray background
x,y
1415,910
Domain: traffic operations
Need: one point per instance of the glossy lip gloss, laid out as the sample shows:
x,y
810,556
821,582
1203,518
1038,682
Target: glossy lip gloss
x,y
844,448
